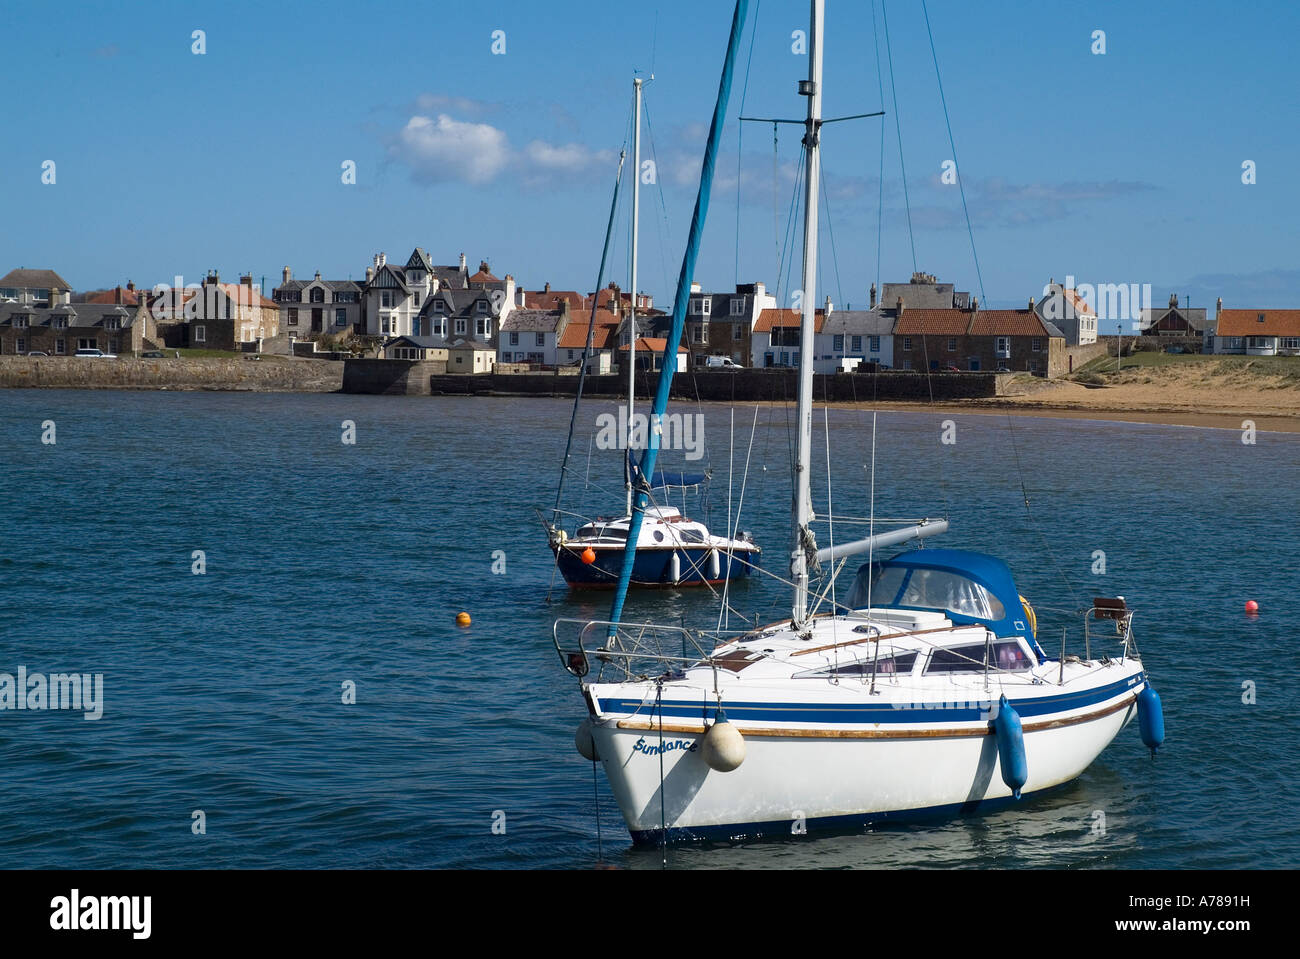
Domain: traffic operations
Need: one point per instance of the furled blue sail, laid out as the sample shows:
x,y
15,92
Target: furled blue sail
x,y
673,479
664,386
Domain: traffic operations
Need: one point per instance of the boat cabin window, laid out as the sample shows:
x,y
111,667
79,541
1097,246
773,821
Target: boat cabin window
x,y
885,667
924,588
597,531
1005,655
691,536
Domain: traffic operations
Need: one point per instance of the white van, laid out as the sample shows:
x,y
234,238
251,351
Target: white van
x,y
721,363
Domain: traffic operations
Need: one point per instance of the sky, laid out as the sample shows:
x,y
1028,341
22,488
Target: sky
x,y
495,129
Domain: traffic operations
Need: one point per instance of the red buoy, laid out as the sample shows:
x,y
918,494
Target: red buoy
x,y
589,556
1252,606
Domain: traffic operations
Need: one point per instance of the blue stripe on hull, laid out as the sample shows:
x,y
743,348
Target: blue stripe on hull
x,y
842,713
781,828
651,567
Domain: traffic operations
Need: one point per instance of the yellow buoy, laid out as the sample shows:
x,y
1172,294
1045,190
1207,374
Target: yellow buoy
x,y
462,619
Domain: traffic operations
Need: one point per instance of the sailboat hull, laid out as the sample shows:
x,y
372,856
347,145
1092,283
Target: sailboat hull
x,y
655,567
811,776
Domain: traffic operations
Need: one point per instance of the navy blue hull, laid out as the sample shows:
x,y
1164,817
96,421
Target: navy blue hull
x,y
652,567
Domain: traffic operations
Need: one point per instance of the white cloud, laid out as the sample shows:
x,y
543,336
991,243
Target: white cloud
x,y
444,149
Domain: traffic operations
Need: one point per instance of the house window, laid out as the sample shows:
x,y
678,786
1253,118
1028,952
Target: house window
x,y
440,326
837,343
441,306
907,342
460,329
60,323
415,299
483,327
1234,342
200,334
317,294
60,347
514,339
952,344
857,344
385,298
1291,342
875,345
113,323
293,317
87,343
1036,345
21,343
571,354
541,339
697,333
483,306
340,317
20,322
1004,346
738,307
383,324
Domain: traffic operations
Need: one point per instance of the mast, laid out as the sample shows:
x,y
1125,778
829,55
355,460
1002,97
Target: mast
x,y
802,507
631,338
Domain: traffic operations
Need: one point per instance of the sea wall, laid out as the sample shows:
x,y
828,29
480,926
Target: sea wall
x,y
393,377
725,386
191,373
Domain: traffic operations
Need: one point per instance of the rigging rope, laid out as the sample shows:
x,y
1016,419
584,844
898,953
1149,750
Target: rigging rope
x,y
884,10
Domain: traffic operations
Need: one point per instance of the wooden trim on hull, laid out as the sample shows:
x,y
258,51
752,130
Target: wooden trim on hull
x,y
777,733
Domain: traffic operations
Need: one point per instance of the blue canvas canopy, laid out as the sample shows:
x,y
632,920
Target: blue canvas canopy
x,y
968,587
663,479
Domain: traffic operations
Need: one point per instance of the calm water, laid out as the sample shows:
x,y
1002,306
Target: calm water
x,y
329,563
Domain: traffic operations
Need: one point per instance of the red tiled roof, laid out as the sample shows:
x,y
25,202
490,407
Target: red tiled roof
x,y
655,344
241,294
482,276
1247,323
1080,305
950,322
129,297
574,336
768,319
550,300
1007,323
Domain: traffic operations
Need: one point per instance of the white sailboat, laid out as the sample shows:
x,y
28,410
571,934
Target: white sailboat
x,y
922,691
672,550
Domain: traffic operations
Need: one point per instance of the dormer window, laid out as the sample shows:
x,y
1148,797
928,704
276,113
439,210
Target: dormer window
x,y
738,306
112,323
483,306
441,306
317,294
1260,318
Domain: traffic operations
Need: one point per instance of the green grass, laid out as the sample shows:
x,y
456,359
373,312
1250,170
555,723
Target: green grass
x,y
1288,366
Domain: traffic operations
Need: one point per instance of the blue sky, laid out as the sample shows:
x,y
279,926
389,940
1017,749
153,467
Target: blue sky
x,y
1117,168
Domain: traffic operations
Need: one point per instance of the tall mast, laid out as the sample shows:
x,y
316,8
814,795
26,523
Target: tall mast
x,y
631,317
812,89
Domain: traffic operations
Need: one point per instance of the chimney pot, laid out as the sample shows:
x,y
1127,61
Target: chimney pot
x,y
873,296
546,288
288,274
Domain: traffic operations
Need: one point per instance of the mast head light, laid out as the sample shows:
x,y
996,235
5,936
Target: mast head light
x,y
807,88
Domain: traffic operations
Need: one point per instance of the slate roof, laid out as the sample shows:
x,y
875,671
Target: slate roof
x,y
419,260
1196,318
423,342
531,321
459,302
78,315
859,323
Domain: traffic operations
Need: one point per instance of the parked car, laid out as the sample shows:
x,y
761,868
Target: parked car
x,y
94,352
152,354
38,353
1002,369
949,369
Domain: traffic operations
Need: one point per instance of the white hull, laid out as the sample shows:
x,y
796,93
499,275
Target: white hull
x,y
807,775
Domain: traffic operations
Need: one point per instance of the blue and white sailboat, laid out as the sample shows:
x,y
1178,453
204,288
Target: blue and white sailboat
x,y
921,690
669,550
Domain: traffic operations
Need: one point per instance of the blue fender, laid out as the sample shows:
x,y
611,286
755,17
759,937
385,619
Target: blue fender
x,y
1011,747
1151,719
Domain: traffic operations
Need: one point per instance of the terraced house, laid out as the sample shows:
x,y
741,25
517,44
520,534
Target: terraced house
x,y
978,340
722,324
37,315
216,316
311,308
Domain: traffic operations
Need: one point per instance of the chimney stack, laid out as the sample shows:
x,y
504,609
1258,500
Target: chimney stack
x,y
462,264
370,273
898,308
1218,307
873,297
288,275
546,288
1031,304
318,274
1173,300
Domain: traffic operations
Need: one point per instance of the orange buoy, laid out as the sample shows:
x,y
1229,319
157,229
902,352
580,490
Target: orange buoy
x,y
1252,606
589,556
462,619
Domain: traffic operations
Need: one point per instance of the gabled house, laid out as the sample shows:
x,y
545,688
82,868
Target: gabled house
x,y
470,356
419,348
604,340
1258,332
532,336
776,338
650,352
118,296
219,316
474,312
314,307
393,296
1175,320
865,335
1066,310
